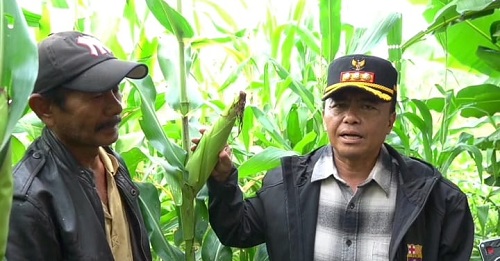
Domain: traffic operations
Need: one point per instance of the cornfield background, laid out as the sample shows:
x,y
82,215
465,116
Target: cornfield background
x,y
201,53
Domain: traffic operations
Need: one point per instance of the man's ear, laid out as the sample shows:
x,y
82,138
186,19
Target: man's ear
x,y
392,119
42,107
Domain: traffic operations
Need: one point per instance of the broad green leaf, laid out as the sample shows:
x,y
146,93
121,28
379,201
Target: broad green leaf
x,y
426,115
222,12
168,59
172,20
473,151
298,88
304,143
235,74
489,56
268,125
32,19
293,129
268,159
261,253
18,63
248,125
424,132
60,3
394,41
495,32
18,149
18,71
365,40
286,48
404,140
213,250
201,218
298,11
479,100
6,188
309,39
330,27
463,39
151,212
472,5
133,157
492,141
482,215
174,178
174,154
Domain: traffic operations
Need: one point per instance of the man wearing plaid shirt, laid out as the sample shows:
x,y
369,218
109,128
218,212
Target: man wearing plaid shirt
x,y
356,198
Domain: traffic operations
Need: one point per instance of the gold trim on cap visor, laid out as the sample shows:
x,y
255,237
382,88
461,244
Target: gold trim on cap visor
x,y
376,89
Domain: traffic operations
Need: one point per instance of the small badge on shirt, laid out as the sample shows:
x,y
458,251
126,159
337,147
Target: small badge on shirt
x,y
414,253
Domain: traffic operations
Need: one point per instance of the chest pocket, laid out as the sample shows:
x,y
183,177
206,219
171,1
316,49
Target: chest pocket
x,y
380,251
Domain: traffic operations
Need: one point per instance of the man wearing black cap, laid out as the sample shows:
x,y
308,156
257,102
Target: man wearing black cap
x,y
354,199
73,196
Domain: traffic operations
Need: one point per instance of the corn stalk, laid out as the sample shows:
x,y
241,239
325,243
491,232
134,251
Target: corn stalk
x,y
201,164
5,162
18,70
5,175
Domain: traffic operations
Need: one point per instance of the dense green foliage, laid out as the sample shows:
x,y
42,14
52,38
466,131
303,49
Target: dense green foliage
x,y
202,52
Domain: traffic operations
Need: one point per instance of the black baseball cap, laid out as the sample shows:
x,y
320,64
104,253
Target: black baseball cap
x,y
370,73
78,61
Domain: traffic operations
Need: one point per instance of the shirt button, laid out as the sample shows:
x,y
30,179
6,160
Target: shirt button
x,y
351,205
348,242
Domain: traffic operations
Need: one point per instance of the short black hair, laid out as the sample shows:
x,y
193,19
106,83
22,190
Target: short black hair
x,y
56,96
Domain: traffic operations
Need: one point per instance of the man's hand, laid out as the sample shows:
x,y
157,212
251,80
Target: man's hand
x,y
222,170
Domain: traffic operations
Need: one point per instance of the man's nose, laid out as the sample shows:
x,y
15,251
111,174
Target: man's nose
x,y
351,115
114,102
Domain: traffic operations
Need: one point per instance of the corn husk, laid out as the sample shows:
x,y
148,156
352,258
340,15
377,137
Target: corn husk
x,y
206,155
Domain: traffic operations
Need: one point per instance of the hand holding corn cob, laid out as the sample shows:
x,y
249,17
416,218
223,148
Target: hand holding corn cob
x,y
223,167
209,148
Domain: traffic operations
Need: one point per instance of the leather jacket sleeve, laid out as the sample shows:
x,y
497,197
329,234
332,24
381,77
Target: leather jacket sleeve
x,y
32,236
236,222
458,232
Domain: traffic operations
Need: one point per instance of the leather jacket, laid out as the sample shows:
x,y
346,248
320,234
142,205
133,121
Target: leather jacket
x,y
57,213
431,213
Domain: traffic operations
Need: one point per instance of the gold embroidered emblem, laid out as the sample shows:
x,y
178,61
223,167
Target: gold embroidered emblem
x,y
358,64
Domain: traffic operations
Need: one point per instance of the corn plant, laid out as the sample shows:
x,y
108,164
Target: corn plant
x,y
18,67
201,52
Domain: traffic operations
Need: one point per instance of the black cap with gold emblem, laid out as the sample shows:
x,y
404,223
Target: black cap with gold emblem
x,y
370,73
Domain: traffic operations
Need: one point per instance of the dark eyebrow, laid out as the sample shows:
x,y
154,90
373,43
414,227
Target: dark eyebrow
x,y
371,99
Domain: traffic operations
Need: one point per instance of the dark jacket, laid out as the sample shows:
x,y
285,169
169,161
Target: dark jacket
x,y
430,212
56,212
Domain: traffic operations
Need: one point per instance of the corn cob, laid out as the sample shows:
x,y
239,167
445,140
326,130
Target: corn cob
x,y
206,155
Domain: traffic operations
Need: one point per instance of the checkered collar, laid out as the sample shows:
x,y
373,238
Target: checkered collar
x,y
325,167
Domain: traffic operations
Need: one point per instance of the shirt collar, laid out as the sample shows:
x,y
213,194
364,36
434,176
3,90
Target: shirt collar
x,y
381,172
109,161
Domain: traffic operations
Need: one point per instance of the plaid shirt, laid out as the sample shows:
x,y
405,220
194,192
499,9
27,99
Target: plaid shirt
x,y
355,226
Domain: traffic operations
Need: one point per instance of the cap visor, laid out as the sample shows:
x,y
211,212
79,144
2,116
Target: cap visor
x,y
380,95
106,75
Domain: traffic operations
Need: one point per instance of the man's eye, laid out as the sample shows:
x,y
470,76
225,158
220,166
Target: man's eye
x,y
369,107
97,95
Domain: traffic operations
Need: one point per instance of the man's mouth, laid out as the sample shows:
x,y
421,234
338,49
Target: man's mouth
x,y
351,136
109,124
